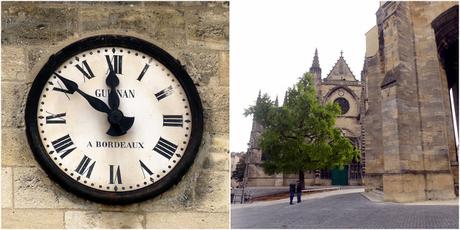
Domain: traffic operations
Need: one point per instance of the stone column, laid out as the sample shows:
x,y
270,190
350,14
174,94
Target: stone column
x,y
416,163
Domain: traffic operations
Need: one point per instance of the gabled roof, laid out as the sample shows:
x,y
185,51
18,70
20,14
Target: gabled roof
x,y
340,71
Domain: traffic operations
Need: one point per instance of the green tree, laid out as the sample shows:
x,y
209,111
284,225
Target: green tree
x,y
300,135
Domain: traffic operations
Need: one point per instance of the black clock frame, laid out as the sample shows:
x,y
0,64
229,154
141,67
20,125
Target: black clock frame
x,y
65,181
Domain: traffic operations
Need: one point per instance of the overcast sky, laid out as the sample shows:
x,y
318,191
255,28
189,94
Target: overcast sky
x,y
272,44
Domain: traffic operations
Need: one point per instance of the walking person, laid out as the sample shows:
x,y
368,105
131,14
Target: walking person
x,y
299,191
291,192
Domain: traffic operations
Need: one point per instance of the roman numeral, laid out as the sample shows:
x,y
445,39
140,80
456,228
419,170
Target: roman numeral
x,y
55,118
144,169
115,175
63,146
146,67
165,148
83,168
117,63
85,70
172,120
164,93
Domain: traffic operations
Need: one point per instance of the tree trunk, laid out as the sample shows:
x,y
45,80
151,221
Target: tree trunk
x,y
302,179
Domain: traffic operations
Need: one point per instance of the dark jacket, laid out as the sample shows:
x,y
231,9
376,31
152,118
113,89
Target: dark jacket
x,y
299,188
292,188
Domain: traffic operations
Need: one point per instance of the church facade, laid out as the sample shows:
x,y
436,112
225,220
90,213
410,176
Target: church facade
x,y
340,86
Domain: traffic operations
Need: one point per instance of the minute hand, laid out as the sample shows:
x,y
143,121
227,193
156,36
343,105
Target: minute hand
x,y
93,101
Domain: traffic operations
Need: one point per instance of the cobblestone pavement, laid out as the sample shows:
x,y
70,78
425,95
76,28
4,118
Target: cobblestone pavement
x,y
345,211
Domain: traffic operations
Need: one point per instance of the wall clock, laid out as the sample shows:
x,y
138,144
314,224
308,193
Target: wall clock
x,y
114,119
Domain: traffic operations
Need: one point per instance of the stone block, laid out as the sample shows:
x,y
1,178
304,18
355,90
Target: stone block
x,y
440,186
179,197
188,220
201,65
34,189
224,69
13,63
7,187
36,57
208,28
413,183
30,24
15,148
392,184
14,96
164,25
216,106
219,143
33,218
97,219
211,191
217,161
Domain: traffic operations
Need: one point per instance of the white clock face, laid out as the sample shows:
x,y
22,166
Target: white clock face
x,y
74,132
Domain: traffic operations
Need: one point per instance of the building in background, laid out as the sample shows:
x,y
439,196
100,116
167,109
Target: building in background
x,y
411,95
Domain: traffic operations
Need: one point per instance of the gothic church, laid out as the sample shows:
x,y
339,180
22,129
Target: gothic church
x,y
340,86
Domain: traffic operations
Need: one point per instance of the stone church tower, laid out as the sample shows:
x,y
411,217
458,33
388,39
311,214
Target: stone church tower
x,y
340,86
411,75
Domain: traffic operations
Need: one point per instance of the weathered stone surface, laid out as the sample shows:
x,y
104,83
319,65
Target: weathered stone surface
x,y
96,219
220,143
211,189
34,189
26,23
217,161
215,104
165,26
224,69
7,187
188,220
14,96
32,218
208,28
13,63
15,148
35,56
201,65
411,113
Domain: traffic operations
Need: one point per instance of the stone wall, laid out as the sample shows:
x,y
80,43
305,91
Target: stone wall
x,y
407,128
196,33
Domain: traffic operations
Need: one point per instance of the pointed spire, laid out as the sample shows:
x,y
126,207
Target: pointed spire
x,y
315,68
341,53
315,63
276,101
258,97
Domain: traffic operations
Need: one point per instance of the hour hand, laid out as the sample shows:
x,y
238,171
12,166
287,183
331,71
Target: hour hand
x,y
112,81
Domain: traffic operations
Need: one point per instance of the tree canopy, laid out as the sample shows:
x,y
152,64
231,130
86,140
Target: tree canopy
x,y
300,134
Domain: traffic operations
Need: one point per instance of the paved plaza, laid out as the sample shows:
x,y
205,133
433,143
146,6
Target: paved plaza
x,y
347,210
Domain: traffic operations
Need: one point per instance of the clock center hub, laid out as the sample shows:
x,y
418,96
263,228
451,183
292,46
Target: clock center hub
x,y
115,116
